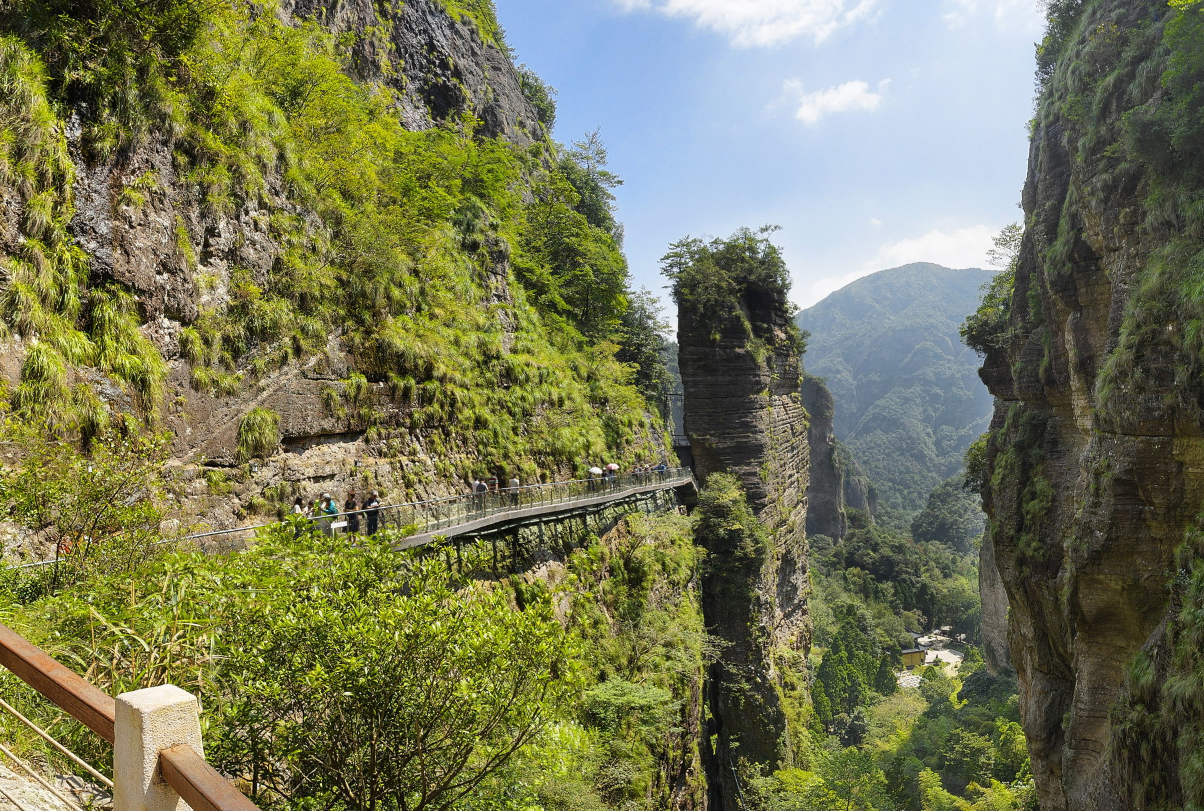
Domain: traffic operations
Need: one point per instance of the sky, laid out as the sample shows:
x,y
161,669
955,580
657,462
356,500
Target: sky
x,y
873,132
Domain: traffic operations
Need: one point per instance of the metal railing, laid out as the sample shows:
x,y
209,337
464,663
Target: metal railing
x,y
425,517
180,765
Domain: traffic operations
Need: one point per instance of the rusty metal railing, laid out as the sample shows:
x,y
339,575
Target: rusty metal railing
x,y
180,766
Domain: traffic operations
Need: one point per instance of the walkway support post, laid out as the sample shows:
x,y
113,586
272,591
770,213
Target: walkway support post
x,y
148,722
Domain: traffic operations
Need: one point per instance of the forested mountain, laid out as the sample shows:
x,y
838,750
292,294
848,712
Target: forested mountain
x,y
908,398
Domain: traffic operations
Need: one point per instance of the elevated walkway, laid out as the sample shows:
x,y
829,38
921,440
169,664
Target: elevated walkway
x,y
492,512
495,511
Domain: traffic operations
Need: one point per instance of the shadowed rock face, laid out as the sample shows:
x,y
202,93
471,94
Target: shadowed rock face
x,y
837,483
744,416
1089,493
825,495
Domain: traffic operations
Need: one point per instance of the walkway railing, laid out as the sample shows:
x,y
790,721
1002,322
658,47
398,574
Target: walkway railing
x,y
156,736
424,517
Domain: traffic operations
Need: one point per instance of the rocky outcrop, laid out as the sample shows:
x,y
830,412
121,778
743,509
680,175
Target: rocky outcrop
x,y
836,481
440,67
1096,455
994,596
744,416
144,225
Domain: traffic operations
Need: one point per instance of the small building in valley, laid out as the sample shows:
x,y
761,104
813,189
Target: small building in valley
x,y
913,657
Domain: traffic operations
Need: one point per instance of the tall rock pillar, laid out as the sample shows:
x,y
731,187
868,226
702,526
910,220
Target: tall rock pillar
x,y
744,416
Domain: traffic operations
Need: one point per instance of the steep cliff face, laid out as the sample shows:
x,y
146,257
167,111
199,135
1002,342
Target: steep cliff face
x,y
439,66
1096,459
322,223
837,483
744,416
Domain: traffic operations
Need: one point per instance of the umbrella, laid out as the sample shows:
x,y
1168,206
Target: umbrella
x,y
612,466
597,471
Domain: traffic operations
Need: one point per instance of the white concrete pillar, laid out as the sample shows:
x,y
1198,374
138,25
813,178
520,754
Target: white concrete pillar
x,y
147,722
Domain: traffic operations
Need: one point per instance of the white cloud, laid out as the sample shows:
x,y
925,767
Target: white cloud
x,y
854,95
874,221
761,23
1005,14
959,248
956,248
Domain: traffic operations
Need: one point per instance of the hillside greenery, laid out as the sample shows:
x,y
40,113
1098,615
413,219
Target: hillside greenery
x,y
409,226
908,398
954,743
338,672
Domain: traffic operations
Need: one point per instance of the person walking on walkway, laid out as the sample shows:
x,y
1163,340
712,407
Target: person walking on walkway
x,y
329,511
372,511
351,507
514,488
480,489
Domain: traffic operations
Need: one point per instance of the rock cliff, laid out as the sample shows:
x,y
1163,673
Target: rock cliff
x,y
209,226
744,416
1096,456
836,481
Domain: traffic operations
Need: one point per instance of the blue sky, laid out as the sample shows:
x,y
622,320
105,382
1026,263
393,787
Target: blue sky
x,y
874,132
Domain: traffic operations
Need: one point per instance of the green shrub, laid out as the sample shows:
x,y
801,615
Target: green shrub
x,y
258,433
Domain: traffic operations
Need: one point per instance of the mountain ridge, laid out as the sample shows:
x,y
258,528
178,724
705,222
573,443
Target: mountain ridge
x,y
908,398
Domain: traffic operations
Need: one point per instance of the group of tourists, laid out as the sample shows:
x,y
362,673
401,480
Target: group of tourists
x,y
481,488
324,510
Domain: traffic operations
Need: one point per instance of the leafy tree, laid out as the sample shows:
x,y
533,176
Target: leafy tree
x,y
405,693
541,95
92,512
885,681
642,343
574,267
584,167
713,277
953,516
854,780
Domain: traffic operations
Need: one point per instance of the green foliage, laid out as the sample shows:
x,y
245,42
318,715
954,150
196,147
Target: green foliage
x,y
482,14
44,289
118,57
732,536
643,345
258,433
953,516
717,279
541,95
908,397
94,512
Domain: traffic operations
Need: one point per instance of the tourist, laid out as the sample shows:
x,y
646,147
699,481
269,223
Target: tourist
x,y
514,488
480,490
372,510
351,508
298,510
329,511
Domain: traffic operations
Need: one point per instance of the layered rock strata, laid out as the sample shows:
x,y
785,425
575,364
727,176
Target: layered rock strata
x,y
1096,455
744,416
837,483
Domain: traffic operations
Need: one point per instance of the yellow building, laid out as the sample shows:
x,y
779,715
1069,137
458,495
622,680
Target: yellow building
x,y
913,657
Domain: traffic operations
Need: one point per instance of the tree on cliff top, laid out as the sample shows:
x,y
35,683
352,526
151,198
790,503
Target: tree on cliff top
x,y
711,278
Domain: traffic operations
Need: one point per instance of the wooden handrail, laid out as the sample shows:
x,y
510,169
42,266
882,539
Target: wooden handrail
x,y
82,700
198,783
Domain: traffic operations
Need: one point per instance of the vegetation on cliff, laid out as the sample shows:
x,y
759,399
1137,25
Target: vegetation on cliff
x,y
908,399
442,678
386,238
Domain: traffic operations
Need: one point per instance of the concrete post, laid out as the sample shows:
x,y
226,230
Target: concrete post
x,y
147,722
